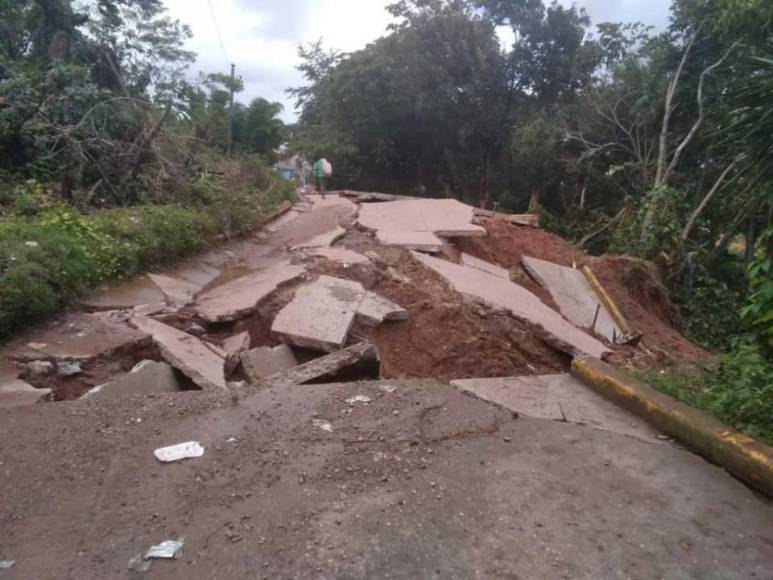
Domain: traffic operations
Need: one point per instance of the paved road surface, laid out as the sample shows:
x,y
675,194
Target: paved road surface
x,y
423,482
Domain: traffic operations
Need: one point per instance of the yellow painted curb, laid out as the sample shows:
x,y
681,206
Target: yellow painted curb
x,y
607,300
744,457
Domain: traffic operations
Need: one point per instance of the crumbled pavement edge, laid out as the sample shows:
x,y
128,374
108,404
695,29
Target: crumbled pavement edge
x,y
744,457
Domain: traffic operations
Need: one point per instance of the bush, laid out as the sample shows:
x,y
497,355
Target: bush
x,y
739,391
49,259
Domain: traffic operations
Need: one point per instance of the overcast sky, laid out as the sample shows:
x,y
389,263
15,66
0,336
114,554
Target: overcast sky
x,y
261,36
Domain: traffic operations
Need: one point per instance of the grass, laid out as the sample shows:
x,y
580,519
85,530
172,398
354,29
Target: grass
x,y
51,257
738,391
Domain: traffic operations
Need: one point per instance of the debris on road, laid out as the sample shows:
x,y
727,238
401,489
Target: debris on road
x,y
146,378
40,368
235,345
186,353
242,296
320,315
265,361
375,309
187,450
68,368
167,550
6,564
361,358
359,400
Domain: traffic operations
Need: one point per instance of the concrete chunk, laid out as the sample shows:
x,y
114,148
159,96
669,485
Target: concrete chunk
x,y
320,315
524,305
178,292
187,353
237,344
242,296
361,357
148,378
574,296
375,309
17,393
264,361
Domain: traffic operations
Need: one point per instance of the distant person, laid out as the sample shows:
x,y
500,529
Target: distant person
x,y
322,171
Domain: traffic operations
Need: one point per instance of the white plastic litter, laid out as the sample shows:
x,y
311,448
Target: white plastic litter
x,y
168,550
5,564
359,399
180,451
324,425
388,388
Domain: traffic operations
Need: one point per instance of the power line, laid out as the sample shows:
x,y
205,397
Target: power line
x,y
217,31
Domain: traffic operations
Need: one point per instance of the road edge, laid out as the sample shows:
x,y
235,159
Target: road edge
x,y
744,457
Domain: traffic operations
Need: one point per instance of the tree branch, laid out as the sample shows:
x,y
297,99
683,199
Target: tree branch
x,y
707,198
701,116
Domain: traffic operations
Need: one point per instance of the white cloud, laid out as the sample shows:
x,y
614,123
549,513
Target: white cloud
x,y
261,36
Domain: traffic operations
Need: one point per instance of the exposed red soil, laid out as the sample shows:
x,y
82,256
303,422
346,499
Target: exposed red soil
x,y
632,283
446,336
505,244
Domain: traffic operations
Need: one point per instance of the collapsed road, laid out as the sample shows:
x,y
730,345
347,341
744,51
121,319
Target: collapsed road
x,y
371,387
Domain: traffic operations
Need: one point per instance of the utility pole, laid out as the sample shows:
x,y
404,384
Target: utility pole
x,y
231,112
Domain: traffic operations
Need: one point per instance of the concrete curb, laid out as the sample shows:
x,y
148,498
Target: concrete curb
x,y
744,457
607,300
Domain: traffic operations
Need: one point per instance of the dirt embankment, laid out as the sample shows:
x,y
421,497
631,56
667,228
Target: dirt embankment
x,y
632,283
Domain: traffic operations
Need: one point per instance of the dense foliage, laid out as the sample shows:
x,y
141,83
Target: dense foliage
x,y
97,113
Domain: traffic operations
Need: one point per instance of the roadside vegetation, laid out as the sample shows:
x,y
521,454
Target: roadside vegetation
x,y
629,140
111,160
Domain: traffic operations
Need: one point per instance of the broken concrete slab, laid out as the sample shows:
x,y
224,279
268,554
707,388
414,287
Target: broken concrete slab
x,y
322,240
320,315
339,255
442,217
574,296
265,361
18,393
237,344
81,337
149,377
375,309
178,293
360,358
559,397
478,264
521,303
418,241
242,296
188,354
